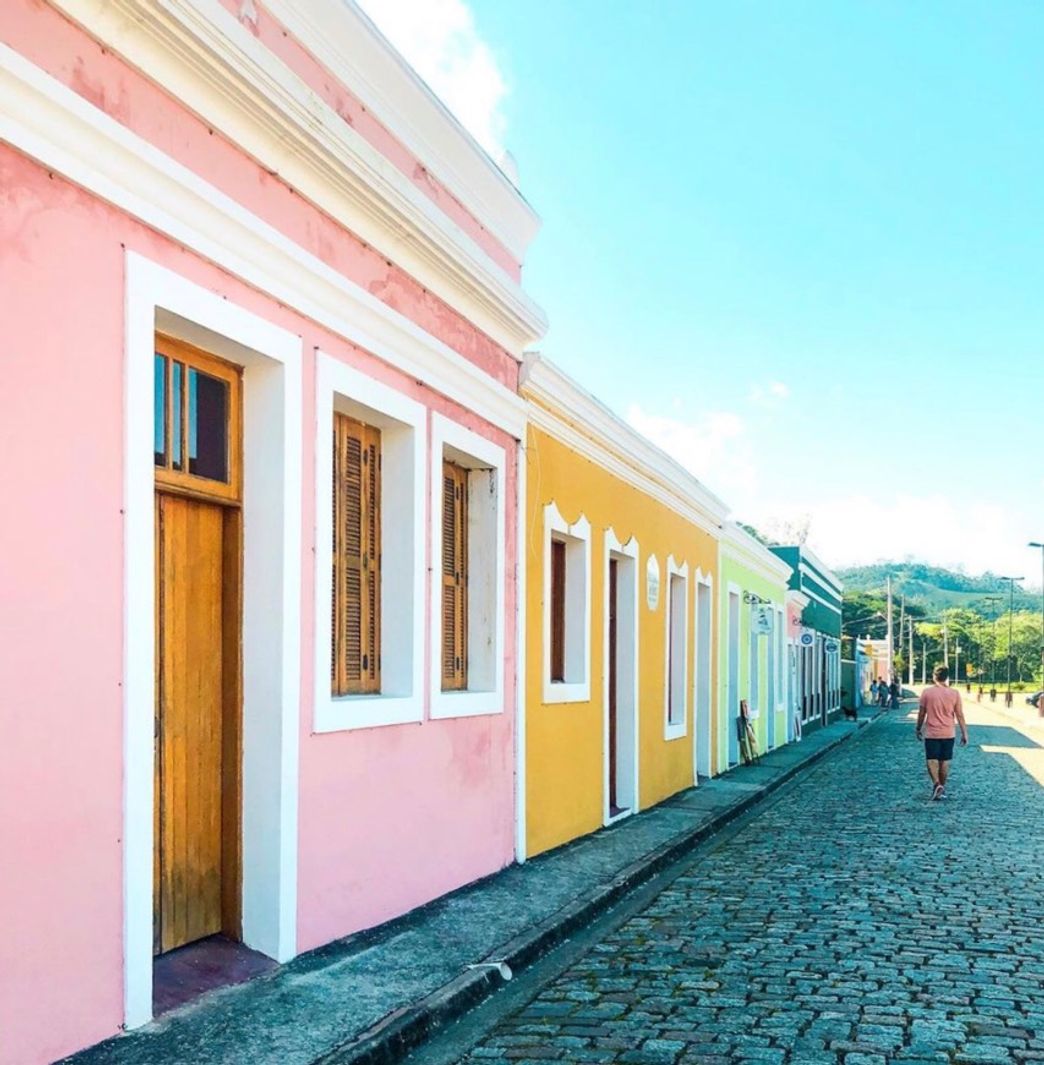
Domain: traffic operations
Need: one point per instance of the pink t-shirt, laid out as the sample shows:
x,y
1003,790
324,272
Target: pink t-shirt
x,y
940,704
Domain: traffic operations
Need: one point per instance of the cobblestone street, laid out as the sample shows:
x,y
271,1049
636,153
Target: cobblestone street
x,y
852,920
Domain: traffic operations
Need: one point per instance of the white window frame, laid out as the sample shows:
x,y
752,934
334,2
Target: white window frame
x,y
577,650
487,547
679,686
779,636
753,665
403,425
702,674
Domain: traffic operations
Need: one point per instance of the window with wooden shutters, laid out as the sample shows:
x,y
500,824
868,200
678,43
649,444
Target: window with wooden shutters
x,y
566,608
356,632
558,620
454,577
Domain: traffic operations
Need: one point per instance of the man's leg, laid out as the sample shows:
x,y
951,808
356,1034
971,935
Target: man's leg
x,y
944,772
933,770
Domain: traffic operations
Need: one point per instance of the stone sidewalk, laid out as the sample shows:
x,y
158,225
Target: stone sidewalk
x,y
372,996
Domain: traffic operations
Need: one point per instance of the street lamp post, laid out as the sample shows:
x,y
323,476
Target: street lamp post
x,y
993,600
1011,628
1034,543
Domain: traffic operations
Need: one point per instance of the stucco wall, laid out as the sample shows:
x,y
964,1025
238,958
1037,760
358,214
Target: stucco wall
x,y
388,818
565,742
742,578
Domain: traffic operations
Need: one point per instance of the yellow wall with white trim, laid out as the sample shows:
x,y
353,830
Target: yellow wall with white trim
x,y
565,741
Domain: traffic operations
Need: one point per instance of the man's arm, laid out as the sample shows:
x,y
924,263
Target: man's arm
x,y
961,721
922,712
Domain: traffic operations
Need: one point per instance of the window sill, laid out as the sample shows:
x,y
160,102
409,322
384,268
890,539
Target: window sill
x,y
675,732
565,692
346,713
452,704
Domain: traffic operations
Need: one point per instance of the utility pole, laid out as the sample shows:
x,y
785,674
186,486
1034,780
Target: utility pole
x,y
924,661
911,652
946,644
891,646
957,662
1034,543
993,600
1011,628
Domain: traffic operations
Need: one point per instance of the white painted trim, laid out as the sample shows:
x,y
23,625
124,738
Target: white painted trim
x,y
739,545
486,567
521,613
403,513
677,729
832,607
341,37
781,623
826,574
726,716
701,752
564,409
49,122
202,55
578,659
628,551
156,297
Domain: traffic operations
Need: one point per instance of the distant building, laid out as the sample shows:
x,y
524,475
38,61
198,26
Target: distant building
x,y
816,645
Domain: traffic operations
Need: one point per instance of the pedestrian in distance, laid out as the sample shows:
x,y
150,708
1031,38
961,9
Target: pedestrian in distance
x,y
882,694
873,691
938,714
894,692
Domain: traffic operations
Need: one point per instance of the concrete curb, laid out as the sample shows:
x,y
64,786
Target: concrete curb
x,y
394,1036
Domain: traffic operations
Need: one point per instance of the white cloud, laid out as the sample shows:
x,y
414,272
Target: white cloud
x,y
714,448
860,528
439,39
771,394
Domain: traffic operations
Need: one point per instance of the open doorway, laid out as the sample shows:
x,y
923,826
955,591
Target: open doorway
x,y
704,657
732,697
621,679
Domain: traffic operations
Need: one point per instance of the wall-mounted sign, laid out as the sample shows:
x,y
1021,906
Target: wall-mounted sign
x,y
831,647
652,583
763,620
806,639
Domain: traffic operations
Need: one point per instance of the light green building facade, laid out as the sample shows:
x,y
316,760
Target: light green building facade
x,y
752,584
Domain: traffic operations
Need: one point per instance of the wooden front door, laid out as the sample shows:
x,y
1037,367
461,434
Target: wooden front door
x,y
198,749
614,729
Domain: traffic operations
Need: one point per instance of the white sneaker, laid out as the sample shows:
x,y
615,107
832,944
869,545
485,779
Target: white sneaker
x,y
937,792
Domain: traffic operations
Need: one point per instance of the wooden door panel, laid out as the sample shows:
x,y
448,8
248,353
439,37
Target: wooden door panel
x,y
191,689
611,680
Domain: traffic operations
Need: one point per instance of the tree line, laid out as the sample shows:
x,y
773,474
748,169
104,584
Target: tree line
x,y
983,639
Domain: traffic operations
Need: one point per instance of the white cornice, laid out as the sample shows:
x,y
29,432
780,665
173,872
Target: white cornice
x,y
341,37
199,53
740,545
821,572
564,409
47,121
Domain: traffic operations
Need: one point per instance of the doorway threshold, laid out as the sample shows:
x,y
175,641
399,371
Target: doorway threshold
x,y
182,975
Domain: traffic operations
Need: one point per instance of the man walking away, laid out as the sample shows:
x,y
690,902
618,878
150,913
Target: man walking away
x,y
939,709
894,692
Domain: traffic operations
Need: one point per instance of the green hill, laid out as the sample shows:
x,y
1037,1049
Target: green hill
x,y
934,588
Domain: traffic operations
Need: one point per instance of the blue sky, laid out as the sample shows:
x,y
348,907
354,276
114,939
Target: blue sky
x,y
800,245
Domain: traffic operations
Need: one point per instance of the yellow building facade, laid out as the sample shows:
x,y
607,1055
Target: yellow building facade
x,y
621,571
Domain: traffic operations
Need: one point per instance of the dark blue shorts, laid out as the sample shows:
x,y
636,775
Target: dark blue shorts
x,y
939,750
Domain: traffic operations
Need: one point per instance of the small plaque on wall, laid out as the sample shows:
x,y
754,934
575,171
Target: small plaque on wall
x,y
652,583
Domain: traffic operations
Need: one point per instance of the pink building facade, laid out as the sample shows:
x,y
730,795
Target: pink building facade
x,y
269,185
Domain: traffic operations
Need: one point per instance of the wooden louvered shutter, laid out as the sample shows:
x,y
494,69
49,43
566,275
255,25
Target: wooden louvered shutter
x,y
356,631
558,574
454,577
